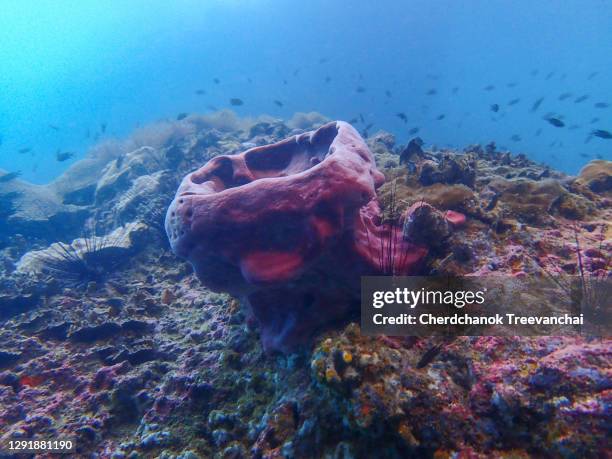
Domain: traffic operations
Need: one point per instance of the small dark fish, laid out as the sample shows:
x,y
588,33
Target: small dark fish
x,y
388,93
514,101
516,138
455,90
594,120
216,80
353,121
440,117
10,176
360,89
489,87
581,99
103,127
327,79
200,92
537,104
212,107
602,105
23,151
236,102
369,126
534,72
284,81
592,75
323,60
565,95
296,72
602,134
181,116
495,108
402,116
538,132
54,127
549,76
413,131
511,84
278,102
361,118
432,92
63,156
583,155
556,122
249,80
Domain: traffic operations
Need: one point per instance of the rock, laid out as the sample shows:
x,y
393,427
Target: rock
x,y
7,359
381,145
139,201
167,297
533,202
38,211
90,334
325,221
385,139
15,303
86,434
156,439
58,332
119,174
452,169
426,225
272,128
413,148
597,176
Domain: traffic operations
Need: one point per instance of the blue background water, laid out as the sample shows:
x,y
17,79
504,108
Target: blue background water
x,y
78,64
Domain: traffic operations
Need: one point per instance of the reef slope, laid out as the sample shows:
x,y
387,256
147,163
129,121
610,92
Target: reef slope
x,y
139,360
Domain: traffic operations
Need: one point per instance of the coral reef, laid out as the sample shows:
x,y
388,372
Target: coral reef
x,y
149,363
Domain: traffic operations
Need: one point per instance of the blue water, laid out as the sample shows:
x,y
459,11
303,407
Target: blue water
x,y
75,65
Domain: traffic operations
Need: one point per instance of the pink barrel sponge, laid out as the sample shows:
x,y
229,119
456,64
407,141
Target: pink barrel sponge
x,y
289,228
